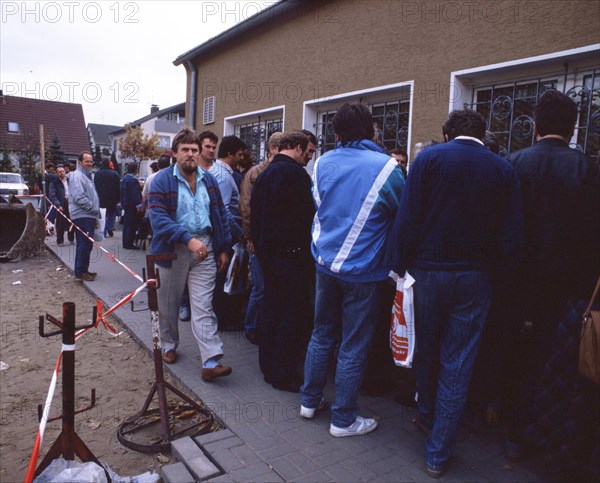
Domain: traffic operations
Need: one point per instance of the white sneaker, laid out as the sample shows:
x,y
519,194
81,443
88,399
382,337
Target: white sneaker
x,y
309,413
359,426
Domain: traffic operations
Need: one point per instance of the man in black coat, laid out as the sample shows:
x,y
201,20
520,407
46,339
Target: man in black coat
x,y
282,210
58,192
560,257
107,183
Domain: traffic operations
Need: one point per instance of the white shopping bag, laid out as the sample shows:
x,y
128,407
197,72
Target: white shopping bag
x,y
236,281
402,327
99,227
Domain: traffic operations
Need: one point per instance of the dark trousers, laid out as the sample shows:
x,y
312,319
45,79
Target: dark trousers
x,y
130,225
63,225
84,245
286,323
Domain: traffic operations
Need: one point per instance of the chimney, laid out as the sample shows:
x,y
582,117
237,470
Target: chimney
x,y
153,108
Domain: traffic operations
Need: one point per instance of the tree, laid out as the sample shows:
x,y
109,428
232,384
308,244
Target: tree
x,y
138,146
28,157
54,153
97,156
6,165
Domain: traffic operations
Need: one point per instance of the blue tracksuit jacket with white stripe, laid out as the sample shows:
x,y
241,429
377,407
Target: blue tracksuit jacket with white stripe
x,y
357,190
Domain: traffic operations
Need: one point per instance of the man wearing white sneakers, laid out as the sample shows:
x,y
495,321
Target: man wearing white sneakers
x,y
357,190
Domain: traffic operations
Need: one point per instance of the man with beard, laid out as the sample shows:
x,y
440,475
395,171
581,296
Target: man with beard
x,y
189,219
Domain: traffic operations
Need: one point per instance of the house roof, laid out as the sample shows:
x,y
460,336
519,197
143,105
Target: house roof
x,y
280,11
64,118
100,132
152,115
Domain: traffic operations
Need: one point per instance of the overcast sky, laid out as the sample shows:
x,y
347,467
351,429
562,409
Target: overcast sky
x,y
113,57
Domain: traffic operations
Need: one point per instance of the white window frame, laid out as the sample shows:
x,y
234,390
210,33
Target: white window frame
x,y
13,127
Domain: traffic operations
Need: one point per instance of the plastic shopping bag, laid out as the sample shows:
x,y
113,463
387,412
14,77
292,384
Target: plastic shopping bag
x,y
237,274
402,328
99,226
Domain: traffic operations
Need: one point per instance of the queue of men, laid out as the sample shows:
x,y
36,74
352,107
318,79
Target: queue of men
x,y
477,232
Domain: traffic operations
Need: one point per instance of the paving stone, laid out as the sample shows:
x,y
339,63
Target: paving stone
x,y
187,451
276,451
302,462
222,479
215,446
265,443
176,473
202,468
212,437
316,477
350,471
246,455
332,458
250,473
228,461
287,470
185,448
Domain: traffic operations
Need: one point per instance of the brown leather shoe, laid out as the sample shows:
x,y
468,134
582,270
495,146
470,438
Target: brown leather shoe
x,y
214,372
93,274
86,277
169,357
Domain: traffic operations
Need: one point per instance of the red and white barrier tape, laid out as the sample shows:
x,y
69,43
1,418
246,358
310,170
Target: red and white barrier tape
x,y
97,244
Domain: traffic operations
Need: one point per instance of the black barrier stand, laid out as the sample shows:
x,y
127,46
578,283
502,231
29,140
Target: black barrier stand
x,y
168,416
68,444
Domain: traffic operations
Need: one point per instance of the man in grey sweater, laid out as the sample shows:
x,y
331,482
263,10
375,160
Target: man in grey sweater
x,y
84,207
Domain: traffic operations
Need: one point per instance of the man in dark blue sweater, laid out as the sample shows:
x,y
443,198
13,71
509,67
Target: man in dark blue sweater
x,y
459,220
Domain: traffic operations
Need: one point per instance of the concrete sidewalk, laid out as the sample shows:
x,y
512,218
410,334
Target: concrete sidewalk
x,y
268,441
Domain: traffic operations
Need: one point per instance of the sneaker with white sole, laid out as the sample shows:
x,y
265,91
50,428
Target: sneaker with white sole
x,y
359,426
309,413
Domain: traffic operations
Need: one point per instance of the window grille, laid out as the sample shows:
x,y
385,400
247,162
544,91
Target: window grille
x,y
509,108
390,120
256,136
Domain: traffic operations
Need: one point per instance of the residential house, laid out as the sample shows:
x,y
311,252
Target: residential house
x,y
163,122
295,63
100,136
20,120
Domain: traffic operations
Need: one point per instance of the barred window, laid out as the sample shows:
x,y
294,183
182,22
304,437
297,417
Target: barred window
x,y
390,118
256,136
509,108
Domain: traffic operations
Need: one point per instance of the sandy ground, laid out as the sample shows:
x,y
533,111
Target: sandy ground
x,y
120,370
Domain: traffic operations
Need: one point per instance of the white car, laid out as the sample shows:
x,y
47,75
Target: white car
x,y
12,184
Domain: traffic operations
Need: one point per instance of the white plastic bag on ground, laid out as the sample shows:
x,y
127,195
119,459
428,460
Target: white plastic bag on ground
x,y
402,327
67,471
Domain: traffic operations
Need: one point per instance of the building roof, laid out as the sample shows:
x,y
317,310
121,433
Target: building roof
x,y
280,11
64,118
152,115
100,132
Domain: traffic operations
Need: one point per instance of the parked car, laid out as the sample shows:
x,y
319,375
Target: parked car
x,y
12,184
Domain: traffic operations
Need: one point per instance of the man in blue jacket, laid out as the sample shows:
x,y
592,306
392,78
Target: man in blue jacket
x,y
131,202
189,219
357,189
59,197
459,220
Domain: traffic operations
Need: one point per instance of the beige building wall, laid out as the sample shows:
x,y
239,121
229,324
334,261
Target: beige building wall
x,y
343,46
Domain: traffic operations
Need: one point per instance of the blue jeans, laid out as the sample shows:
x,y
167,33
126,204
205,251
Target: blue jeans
x,y
450,313
84,245
256,295
352,309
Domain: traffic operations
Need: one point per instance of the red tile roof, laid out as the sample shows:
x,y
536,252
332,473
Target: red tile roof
x,y
63,117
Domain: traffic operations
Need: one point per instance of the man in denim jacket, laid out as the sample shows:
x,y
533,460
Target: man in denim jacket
x,y
189,219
